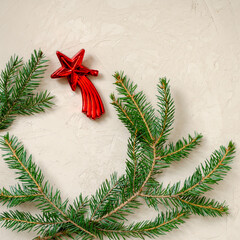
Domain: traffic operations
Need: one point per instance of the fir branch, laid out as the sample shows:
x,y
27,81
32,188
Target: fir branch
x,y
17,84
159,226
22,221
123,113
141,111
31,176
105,212
203,206
166,110
102,194
7,77
180,150
212,172
17,195
35,104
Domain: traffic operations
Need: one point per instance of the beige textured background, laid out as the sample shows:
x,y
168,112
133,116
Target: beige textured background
x,y
195,43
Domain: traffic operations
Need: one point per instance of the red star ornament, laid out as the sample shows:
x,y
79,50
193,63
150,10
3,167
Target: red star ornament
x,y
76,74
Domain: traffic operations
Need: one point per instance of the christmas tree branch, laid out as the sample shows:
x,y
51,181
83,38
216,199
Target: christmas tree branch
x,y
7,77
131,96
17,84
181,149
166,110
162,224
142,110
17,156
17,196
104,213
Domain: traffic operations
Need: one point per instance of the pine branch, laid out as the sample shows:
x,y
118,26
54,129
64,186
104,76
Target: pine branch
x,y
180,150
123,113
31,176
17,84
35,104
161,225
198,183
105,212
138,108
203,206
166,110
17,195
7,77
212,172
22,221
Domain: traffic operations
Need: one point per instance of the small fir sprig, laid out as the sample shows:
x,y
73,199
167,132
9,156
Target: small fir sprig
x,y
105,213
18,82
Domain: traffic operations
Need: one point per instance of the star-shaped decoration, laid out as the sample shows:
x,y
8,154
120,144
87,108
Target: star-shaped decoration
x,y
76,74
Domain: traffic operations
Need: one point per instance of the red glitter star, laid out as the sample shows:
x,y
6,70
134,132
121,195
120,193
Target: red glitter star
x,y
75,72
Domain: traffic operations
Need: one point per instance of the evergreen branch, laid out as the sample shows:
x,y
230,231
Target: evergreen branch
x,y
213,171
167,110
31,176
105,212
17,86
7,77
122,110
142,111
22,221
110,195
194,204
161,225
203,206
124,116
178,151
35,104
17,196
107,193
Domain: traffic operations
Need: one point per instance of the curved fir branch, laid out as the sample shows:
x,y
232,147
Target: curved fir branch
x,y
122,112
103,199
127,90
16,154
159,226
20,89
